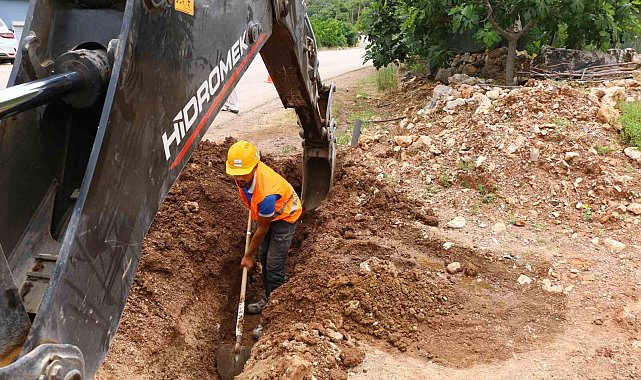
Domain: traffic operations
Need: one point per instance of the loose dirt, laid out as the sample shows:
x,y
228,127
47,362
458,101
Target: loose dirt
x,y
372,291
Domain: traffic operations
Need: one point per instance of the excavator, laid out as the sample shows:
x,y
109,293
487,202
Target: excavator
x,y
104,106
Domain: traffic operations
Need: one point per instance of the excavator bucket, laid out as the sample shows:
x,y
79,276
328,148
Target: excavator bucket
x,y
106,102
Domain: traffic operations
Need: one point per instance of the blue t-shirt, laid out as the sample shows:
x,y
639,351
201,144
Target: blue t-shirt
x,y
266,208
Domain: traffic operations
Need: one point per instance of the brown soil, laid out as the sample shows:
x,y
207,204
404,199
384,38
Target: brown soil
x,y
368,294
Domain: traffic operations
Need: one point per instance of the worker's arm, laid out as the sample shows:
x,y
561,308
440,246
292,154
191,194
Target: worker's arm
x,y
259,234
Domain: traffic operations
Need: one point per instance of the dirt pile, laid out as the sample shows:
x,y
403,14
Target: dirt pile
x,y
542,154
183,300
366,271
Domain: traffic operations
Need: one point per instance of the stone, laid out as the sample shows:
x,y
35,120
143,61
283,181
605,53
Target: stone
x,y
422,142
471,270
485,105
595,241
614,245
493,94
634,153
534,154
634,208
569,156
607,114
191,207
524,280
333,335
546,284
447,245
403,141
440,92
453,268
480,160
443,75
559,59
454,104
499,228
456,223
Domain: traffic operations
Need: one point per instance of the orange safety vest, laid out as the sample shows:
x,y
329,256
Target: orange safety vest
x,y
268,182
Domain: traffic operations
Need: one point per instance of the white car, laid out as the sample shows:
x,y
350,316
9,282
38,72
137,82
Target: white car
x,y
8,43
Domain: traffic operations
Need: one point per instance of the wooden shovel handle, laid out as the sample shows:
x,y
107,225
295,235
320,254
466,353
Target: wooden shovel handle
x,y
243,288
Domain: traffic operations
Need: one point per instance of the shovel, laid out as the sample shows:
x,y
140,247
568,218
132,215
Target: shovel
x,y
231,358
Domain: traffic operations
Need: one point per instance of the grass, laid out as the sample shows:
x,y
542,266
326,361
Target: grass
x,y
559,122
631,122
467,166
445,180
587,213
488,196
603,150
512,218
387,78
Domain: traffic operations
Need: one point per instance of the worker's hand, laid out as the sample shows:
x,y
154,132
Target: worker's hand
x,y
248,262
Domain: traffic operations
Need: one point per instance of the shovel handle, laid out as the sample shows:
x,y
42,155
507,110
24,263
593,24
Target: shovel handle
x,y
243,288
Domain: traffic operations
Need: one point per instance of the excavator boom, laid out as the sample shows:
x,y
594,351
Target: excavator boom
x,y
107,101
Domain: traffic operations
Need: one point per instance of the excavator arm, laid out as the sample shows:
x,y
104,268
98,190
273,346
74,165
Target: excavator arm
x,y
107,101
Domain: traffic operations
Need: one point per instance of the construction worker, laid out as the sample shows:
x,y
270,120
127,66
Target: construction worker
x,y
275,209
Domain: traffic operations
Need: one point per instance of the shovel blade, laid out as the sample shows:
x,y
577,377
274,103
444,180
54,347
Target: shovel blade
x,y
229,363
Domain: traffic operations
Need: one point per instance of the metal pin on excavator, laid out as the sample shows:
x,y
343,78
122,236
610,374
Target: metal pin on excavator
x,y
106,102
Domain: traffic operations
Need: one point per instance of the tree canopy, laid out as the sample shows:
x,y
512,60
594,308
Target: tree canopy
x,y
433,29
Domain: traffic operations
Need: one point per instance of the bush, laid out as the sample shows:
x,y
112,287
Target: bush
x,y
631,122
333,33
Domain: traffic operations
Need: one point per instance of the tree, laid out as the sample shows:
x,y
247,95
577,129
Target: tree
x,y
431,28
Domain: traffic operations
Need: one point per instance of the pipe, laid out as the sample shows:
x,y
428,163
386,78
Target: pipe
x,y
29,95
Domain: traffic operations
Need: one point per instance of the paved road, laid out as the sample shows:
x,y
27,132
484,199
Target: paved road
x,y
253,91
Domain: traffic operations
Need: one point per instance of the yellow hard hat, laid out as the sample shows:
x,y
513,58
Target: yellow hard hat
x,y
242,157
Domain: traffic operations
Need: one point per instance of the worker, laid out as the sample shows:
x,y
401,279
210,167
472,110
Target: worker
x,y
231,104
275,210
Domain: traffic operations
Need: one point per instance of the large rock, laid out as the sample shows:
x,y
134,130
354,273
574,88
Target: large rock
x,y
557,59
440,92
608,115
443,75
634,153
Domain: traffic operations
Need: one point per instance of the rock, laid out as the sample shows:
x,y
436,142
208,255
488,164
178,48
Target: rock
x,y
634,153
568,289
546,284
191,207
534,154
447,245
454,104
608,115
453,268
471,270
403,141
440,92
595,241
559,59
524,280
614,245
443,75
493,94
297,369
422,142
634,208
456,223
335,336
499,228
569,156
485,105
480,160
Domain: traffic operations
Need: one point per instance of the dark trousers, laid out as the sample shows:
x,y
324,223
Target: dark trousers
x,y
273,254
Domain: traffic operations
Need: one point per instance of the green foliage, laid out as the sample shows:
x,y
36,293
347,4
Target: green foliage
x,y
631,122
430,29
330,33
335,21
603,150
387,77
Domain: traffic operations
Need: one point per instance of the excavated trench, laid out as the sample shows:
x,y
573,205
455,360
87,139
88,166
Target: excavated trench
x,y
183,302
